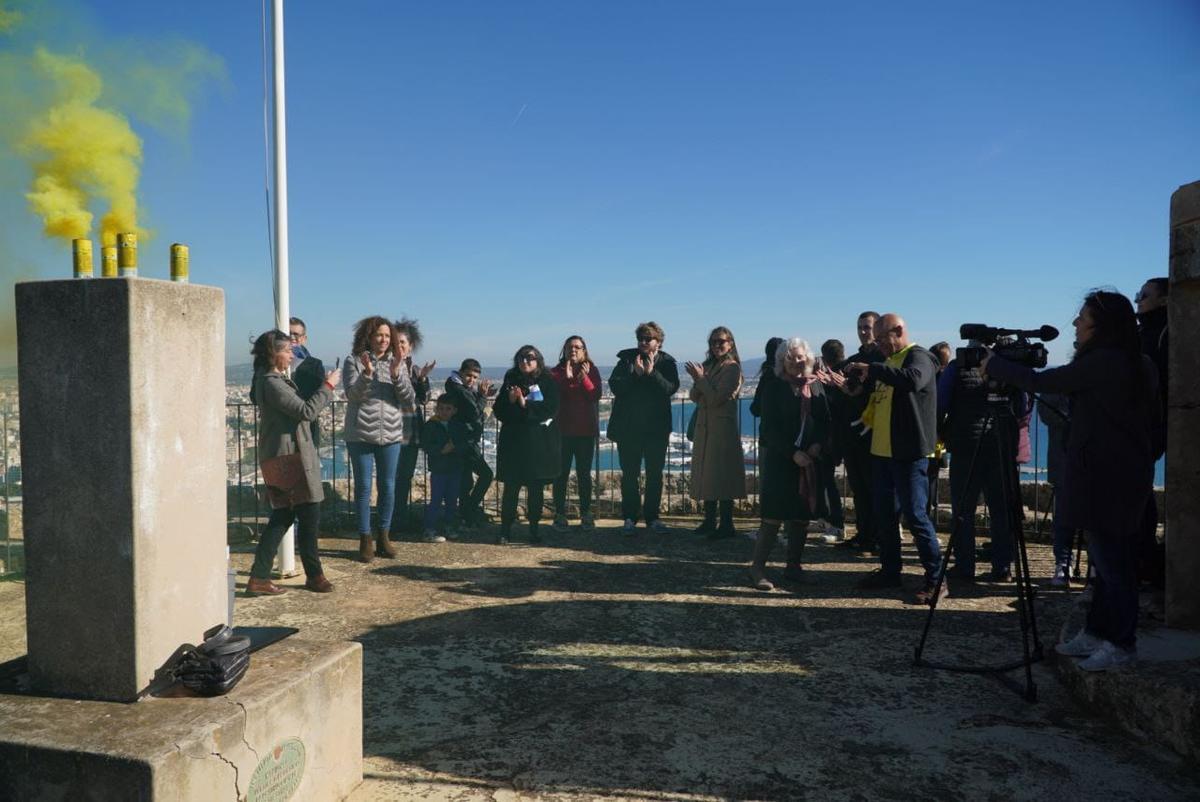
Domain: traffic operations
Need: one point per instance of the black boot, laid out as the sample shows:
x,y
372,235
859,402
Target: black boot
x,y
725,529
758,560
709,524
534,537
505,534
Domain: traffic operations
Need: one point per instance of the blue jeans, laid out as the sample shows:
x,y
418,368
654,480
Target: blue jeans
x,y
384,458
901,488
443,492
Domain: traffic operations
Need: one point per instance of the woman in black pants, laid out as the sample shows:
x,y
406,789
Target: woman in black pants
x,y
290,464
406,338
578,418
1109,469
527,454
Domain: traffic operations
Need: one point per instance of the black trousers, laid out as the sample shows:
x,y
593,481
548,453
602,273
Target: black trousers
x,y
472,489
405,468
580,450
631,451
535,499
858,471
308,520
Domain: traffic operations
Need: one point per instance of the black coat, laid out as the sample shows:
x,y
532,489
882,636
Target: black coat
x,y
781,426
914,402
470,407
1109,470
529,447
642,404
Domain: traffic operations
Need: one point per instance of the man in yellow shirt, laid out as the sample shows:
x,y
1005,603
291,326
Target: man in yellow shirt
x,y
902,414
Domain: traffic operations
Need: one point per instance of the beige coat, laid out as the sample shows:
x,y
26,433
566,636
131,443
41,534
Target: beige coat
x,y
718,468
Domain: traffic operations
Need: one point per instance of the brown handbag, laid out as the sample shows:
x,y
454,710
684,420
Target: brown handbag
x,y
286,483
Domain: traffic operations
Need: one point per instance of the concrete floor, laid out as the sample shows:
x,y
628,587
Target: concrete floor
x,y
643,668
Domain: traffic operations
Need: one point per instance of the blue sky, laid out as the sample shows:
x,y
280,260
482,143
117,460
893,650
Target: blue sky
x,y
517,172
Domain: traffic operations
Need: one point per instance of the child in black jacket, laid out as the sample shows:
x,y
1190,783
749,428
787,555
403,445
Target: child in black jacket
x,y
446,444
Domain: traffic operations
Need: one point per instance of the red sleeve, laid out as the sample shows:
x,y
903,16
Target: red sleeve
x,y
591,384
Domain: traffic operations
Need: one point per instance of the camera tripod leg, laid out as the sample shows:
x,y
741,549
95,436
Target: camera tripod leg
x,y
956,517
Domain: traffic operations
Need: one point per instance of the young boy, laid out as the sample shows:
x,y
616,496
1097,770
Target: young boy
x,y
470,397
445,443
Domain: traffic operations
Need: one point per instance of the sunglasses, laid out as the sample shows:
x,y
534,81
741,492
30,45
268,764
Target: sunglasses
x,y
529,358
719,341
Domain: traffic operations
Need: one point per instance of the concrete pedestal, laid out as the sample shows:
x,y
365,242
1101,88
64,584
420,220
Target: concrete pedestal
x,y
1183,416
122,385
292,729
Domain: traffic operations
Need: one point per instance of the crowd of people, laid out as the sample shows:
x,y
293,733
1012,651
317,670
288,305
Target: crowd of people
x,y
889,413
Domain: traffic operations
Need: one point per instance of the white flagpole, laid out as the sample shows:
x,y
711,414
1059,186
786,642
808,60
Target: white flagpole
x,y
287,556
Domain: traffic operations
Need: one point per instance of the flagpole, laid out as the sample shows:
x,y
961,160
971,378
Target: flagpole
x,y
287,556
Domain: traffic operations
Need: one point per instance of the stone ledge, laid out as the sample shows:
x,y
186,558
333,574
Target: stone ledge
x,y
188,748
1158,701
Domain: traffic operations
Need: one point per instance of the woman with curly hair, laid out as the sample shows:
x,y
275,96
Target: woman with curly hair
x,y
378,389
406,339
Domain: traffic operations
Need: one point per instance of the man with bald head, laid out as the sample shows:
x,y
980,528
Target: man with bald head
x,y
902,413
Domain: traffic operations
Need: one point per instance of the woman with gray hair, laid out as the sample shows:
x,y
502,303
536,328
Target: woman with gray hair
x,y
793,438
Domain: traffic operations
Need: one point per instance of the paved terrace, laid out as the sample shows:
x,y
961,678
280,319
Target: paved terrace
x,y
641,668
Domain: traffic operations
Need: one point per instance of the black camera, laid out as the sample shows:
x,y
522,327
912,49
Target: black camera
x,y
1012,344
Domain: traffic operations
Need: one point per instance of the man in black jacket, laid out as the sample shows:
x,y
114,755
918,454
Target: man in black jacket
x,y
642,385
902,413
857,453
308,372
1152,328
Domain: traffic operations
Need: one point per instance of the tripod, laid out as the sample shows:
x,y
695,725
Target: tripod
x,y
1000,431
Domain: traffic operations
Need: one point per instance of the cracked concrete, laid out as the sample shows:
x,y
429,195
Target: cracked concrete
x,y
642,668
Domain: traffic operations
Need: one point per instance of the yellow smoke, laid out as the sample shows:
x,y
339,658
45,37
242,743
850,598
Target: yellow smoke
x,y
81,151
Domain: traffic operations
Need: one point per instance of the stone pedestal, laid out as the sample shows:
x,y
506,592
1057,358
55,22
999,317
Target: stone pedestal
x,y
291,729
1183,417
122,387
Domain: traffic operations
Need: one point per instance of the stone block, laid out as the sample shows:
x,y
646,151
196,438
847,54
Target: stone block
x,y
293,723
122,388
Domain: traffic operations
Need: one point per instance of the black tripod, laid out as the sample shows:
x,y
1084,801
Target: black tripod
x,y
1000,431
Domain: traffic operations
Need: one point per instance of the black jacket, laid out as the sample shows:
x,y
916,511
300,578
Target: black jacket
x,y
470,405
434,437
1152,328
914,402
529,446
642,404
1109,469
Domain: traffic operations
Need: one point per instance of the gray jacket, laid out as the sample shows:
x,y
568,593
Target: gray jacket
x,y
282,424
375,412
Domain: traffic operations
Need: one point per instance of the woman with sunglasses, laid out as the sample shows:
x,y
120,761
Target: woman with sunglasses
x,y
527,454
718,465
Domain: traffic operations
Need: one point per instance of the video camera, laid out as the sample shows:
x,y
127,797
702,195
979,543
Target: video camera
x,y
1012,344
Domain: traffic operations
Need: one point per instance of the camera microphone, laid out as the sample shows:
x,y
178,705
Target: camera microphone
x,y
1047,333
987,334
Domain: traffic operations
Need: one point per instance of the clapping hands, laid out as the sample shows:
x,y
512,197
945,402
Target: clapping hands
x,y
695,370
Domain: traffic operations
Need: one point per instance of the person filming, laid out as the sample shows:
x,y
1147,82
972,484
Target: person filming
x,y
1109,472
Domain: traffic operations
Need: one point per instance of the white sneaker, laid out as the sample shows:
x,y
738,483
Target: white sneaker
x,y
1081,645
1108,657
832,534
630,528
431,536
1062,577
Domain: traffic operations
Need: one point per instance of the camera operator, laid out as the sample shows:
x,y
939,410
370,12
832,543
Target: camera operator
x,y
972,410
903,414
1113,391
1151,302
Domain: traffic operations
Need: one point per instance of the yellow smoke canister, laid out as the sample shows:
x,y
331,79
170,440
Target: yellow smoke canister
x,y
179,263
127,254
81,250
108,261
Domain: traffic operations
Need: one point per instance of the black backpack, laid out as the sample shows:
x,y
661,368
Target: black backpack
x,y
216,665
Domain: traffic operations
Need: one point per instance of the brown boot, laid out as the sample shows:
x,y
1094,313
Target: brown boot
x,y
762,550
319,584
383,546
263,587
366,548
